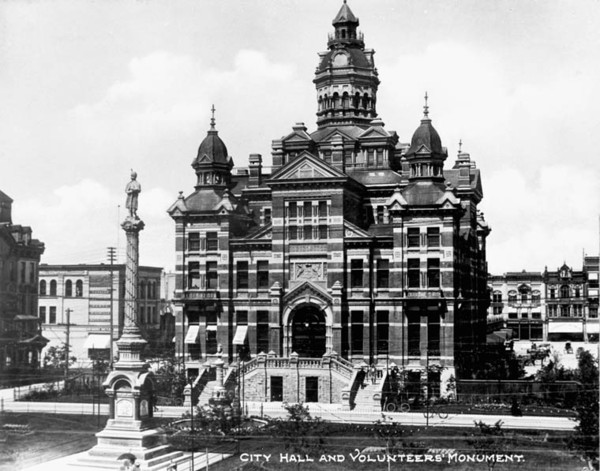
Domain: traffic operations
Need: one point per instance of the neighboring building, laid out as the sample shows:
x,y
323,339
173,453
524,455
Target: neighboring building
x,y
75,300
591,268
559,305
20,337
519,298
356,249
567,305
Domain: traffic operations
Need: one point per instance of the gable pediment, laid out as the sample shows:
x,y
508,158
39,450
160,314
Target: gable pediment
x,y
307,292
374,132
336,134
306,167
350,230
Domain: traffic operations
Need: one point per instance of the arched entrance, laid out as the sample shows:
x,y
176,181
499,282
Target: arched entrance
x,y
309,332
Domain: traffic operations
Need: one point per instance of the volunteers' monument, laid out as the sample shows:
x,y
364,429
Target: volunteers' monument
x,y
130,430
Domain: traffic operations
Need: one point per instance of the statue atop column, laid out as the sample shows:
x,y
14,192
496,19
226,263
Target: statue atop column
x,y
132,189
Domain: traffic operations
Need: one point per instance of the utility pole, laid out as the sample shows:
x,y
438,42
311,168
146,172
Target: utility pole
x,y
68,311
112,256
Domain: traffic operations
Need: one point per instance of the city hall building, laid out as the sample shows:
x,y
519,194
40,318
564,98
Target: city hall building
x,y
357,252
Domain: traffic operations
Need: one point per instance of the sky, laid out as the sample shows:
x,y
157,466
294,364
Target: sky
x,y
92,89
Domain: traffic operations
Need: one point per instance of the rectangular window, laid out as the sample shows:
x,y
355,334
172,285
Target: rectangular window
x,y
356,273
293,230
593,313
513,315
413,237
262,274
497,309
524,315
414,273
552,293
242,274
322,209
211,341
380,214
276,388
565,311
312,389
357,332
433,237
52,319
307,210
512,298
370,157
293,211
194,242
433,272
194,275
322,232
212,276
383,273
537,332
262,331
414,333
536,315
383,331
497,297
433,333
212,241
42,315
267,216
308,232
535,298
242,317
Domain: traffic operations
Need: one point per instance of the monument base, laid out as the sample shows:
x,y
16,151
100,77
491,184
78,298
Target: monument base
x,y
149,447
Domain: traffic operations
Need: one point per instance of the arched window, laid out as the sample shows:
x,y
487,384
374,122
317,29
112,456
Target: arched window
x,y
564,291
43,288
68,289
525,292
53,288
79,288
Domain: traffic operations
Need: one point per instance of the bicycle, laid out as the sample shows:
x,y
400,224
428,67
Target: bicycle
x,y
433,410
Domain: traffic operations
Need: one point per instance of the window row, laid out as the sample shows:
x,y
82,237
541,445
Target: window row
x,y
210,278
565,292
524,297
524,315
148,290
430,279
565,310
210,242
50,289
382,275
307,210
51,315
431,238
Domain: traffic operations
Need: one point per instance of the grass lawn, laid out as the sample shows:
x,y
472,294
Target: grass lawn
x,y
44,437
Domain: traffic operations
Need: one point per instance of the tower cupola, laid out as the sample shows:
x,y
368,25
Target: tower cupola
x,y
346,78
213,163
426,155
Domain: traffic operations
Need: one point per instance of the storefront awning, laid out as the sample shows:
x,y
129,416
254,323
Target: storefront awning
x,y
240,334
192,334
565,328
592,327
97,342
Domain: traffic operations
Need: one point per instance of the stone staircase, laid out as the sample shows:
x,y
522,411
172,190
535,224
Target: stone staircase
x,y
368,396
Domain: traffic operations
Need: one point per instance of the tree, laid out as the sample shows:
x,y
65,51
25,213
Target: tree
x,y
301,433
585,439
488,440
56,357
170,379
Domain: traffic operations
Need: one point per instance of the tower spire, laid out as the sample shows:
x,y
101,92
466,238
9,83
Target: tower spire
x,y
426,108
212,119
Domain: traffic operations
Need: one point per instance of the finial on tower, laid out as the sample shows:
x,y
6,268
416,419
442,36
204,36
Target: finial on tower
x,y
460,146
212,119
426,108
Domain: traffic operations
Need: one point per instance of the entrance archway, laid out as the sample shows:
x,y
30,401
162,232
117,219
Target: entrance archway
x,y
309,332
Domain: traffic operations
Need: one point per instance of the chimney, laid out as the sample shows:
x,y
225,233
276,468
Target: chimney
x,y
255,169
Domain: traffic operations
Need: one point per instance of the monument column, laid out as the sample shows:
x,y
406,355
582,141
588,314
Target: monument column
x,y
130,386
